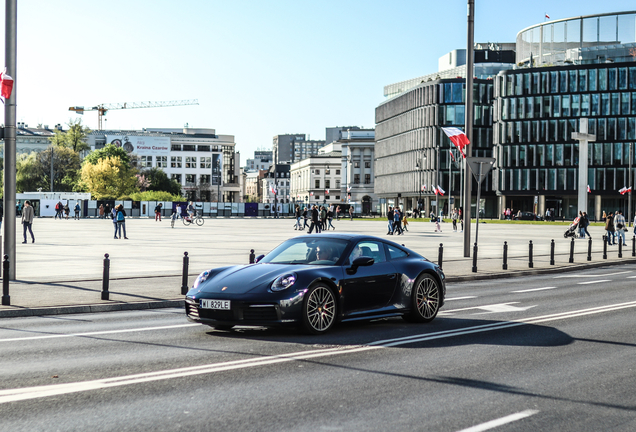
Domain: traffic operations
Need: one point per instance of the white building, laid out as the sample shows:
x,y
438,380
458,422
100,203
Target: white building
x,y
316,179
358,164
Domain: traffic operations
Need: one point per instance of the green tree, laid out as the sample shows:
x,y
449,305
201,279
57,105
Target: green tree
x,y
66,166
156,196
109,178
107,151
159,181
28,176
74,138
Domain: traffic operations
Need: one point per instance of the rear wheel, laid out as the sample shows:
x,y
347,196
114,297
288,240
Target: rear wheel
x,y
199,221
319,310
186,221
425,299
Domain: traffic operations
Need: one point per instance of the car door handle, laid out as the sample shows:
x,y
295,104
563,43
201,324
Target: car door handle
x,y
392,276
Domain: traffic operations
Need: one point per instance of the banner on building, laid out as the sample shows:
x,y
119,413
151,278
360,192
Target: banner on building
x,y
141,145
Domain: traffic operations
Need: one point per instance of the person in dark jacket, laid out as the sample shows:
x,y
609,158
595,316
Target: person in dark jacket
x,y
390,217
585,222
314,220
305,218
27,220
609,229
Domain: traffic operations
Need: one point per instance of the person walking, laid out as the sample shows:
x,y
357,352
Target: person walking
x,y
351,213
101,211
338,213
305,218
77,209
58,210
315,223
619,225
330,219
67,210
609,228
297,216
405,223
121,220
454,219
397,218
461,219
585,221
323,218
158,208
389,216
107,211
27,221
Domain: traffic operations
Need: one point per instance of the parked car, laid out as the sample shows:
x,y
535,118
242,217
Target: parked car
x,y
527,216
316,281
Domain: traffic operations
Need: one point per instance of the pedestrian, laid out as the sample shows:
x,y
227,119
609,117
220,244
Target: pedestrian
x,y
330,218
305,218
338,213
77,211
158,208
108,211
389,216
461,219
297,216
405,223
586,223
58,210
315,223
67,210
351,212
18,208
101,211
113,217
27,221
454,219
397,217
121,220
323,218
609,228
619,225
579,223
190,210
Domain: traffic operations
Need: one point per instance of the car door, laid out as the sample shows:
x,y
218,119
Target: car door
x,y
370,287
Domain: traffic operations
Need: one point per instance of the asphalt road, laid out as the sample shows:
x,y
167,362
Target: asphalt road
x,y
549,353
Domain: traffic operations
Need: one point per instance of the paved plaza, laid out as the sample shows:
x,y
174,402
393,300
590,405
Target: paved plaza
x,y
64,266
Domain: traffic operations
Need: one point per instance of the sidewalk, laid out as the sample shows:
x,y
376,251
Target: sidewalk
x,y
62,272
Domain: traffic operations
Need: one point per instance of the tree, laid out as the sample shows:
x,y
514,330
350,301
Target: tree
x,y
74,138
66,166
159,181
28,176
107,151
109,178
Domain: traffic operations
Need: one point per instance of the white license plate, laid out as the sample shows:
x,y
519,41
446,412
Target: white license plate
x,y
215,304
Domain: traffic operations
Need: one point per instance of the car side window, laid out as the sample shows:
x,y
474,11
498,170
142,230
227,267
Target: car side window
x,y
371,249
395,253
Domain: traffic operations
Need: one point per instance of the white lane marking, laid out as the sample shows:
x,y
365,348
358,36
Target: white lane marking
x,y
592,276
631,277
501,421
12,395
465,298
493,308
533,289
596,281
104,332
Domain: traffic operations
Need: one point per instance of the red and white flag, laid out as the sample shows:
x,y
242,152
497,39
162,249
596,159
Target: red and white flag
x,y
423,187
588,189
458,138
311,194
6,85
452,155
625,190
326,191
435,190
349,189
547,16
440,190
273,189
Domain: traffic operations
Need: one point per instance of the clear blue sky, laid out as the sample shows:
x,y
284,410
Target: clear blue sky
x,y
258,67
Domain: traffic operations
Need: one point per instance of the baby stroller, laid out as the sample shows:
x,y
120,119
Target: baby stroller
x,y
571,231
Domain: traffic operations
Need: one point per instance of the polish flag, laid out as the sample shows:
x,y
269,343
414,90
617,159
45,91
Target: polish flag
x,y
452,155
458,138
349,189
326,191
547,16
440,190
435,190
273,189
423,187
6,85
311,194
588,189
624,190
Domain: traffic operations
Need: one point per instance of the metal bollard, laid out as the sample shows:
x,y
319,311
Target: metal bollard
x,y
440,255
620,248
552,252
106,278
6,298
252,256
589,249
505,258
475,258
184,278
604,247
572,251
530,247
634,246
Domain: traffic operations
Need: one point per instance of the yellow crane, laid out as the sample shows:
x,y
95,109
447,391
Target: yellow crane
x,y
102,109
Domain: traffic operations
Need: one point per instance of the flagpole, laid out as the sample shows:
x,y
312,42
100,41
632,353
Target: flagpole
x,y
450,182
469,123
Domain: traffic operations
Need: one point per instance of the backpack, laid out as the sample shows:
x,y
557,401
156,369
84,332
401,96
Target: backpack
x,y
120,216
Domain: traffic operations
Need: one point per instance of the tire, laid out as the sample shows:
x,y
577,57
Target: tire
x,y
199,221
425,299
319,310
186,222
222,327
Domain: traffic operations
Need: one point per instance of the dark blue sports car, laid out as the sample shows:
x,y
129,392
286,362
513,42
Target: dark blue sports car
x,y
316,281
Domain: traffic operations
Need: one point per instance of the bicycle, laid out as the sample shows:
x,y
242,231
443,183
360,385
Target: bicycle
x,y
198,219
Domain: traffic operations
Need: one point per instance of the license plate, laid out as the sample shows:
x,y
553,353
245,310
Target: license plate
x,y
215,304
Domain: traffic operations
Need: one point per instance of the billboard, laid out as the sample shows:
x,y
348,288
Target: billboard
x,y
141,145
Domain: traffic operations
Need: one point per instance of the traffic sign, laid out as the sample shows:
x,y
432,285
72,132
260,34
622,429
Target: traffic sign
x,y
480,166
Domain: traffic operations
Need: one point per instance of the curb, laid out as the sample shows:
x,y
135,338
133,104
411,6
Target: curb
x,y
106,307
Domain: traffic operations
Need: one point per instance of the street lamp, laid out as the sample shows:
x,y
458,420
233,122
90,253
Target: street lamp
x,y
419,164
347,160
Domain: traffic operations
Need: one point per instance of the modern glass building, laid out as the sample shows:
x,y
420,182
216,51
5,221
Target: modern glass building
x,y
588,71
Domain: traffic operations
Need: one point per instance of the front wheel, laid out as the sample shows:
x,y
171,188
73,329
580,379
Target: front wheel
x,y
425,299
319,310
186,221
199,221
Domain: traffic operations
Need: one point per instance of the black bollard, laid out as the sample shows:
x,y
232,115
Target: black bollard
x,y
6,298
634,246
604,247
505,258
530,247
475,258
184,278
572,251
252,256
106,278
552,252
440,255
589,249
620,248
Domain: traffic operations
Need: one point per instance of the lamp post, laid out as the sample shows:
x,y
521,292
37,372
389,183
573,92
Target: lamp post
x,y
419,164
629,198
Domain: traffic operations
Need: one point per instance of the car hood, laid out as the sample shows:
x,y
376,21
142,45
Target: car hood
x,y
245,279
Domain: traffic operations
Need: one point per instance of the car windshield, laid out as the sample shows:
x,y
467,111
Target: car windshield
x,y
315,251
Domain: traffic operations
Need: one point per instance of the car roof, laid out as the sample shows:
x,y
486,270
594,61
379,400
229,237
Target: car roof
x,y
353,237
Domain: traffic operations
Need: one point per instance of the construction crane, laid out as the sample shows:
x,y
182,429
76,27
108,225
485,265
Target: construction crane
x,y
102,109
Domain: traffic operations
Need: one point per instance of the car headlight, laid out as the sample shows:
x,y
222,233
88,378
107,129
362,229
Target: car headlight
x,y
284,282
201,278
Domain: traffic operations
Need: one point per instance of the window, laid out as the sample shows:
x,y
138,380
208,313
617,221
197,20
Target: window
x,y
317,197
162,161
175,147
189,147
337,172
204,178
177,177
190,179
317,184
203,148
317,171
395,253
367,179
146,161
327,184
190,162
369,249
205,162
356,178
175,161
356,164
367,164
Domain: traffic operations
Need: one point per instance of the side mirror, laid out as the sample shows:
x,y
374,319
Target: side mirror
x,y
258,258
362,261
